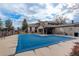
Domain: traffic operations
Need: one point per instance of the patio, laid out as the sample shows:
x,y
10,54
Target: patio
x,y
8,47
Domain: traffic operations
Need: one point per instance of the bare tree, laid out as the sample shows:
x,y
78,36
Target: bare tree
x,y
9,26
60,20
1,23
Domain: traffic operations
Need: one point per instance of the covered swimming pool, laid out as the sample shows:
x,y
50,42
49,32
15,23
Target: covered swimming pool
x,y
28,42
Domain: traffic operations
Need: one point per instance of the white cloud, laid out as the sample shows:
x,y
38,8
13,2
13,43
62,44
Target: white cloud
x,y
39,12
70,16
72,11
49,9
3,17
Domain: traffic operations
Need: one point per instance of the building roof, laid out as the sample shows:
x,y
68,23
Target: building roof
x,y
53,24
64,25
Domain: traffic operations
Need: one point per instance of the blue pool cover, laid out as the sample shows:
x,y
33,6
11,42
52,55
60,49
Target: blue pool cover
x,y
28,42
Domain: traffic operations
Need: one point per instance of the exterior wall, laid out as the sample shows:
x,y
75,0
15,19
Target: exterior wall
x,y
58,31
67,30
40,28
31,29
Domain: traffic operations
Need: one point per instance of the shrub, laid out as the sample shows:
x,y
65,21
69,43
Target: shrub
x,y
75,50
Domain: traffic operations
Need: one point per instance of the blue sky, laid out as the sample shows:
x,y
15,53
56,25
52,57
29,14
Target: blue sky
x,y
35,11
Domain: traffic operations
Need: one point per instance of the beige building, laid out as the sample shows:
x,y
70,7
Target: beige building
x,y
44,27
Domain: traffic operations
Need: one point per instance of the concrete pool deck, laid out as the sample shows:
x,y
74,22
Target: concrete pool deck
x,y
8,47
